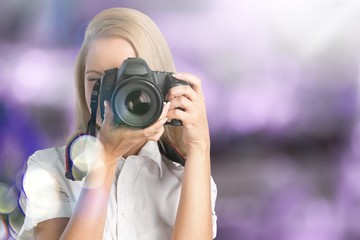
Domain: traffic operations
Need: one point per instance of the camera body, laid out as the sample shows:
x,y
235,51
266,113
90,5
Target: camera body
x,y
136,93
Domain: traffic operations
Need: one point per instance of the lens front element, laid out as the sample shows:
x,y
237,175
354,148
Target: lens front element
x,y
137,103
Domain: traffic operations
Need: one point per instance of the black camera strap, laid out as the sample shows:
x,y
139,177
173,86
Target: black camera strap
x,y
91,127
90,130
171,153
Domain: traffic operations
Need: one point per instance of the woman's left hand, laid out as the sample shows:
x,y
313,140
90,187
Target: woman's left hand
x,y
191,100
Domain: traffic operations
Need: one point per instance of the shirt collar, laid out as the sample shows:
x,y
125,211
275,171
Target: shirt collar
x,y
151,151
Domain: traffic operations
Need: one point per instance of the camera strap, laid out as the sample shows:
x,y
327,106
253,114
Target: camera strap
x,y
91,127
171,153
90,130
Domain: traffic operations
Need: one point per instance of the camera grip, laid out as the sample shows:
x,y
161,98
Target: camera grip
x,y
175,122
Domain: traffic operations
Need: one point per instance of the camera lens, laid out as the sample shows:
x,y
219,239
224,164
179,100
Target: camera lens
x,y
137,103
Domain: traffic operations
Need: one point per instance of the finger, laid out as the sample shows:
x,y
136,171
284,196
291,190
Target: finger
x,y
149,131
179,115
157,136
159,123
193,80
165,110
180,102
182,90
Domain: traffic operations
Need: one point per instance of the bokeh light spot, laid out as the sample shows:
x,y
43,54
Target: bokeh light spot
x,y
8,198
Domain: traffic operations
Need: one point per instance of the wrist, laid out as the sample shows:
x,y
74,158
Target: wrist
x,y
101,170
198,152
107,156
203,148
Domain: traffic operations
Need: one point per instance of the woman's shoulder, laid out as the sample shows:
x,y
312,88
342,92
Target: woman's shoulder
x,y
54,156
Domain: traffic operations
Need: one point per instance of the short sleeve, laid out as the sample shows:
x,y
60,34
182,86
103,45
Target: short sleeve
x,y
42,197
213,200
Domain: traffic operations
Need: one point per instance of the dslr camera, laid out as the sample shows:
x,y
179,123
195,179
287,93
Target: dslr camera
x,y
136,93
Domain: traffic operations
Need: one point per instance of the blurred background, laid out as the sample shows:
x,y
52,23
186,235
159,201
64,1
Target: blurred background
x,y
281,81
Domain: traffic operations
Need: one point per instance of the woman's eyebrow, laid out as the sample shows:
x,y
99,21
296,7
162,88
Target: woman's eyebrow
x,y
93,71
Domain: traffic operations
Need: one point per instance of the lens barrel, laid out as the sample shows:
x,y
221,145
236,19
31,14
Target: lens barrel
x,y
137,103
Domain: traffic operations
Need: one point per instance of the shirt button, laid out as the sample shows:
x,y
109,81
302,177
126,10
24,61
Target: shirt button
x,y
124,214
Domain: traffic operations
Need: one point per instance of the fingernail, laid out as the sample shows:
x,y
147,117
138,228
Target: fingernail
x,y
176,75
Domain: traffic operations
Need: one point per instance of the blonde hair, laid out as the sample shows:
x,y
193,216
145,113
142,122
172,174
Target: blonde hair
x,y
148,42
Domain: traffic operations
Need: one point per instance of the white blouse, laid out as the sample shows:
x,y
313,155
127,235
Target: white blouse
x,y
143,200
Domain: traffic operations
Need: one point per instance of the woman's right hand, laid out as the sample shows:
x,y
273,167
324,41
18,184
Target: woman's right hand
x,y
119,140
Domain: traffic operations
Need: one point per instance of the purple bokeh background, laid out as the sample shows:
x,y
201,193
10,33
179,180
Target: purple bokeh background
x,y
281,81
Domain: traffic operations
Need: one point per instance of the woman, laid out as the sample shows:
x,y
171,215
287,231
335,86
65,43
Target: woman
x,y
142,194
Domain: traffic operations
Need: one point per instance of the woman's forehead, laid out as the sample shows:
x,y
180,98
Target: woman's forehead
x,y
108,53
